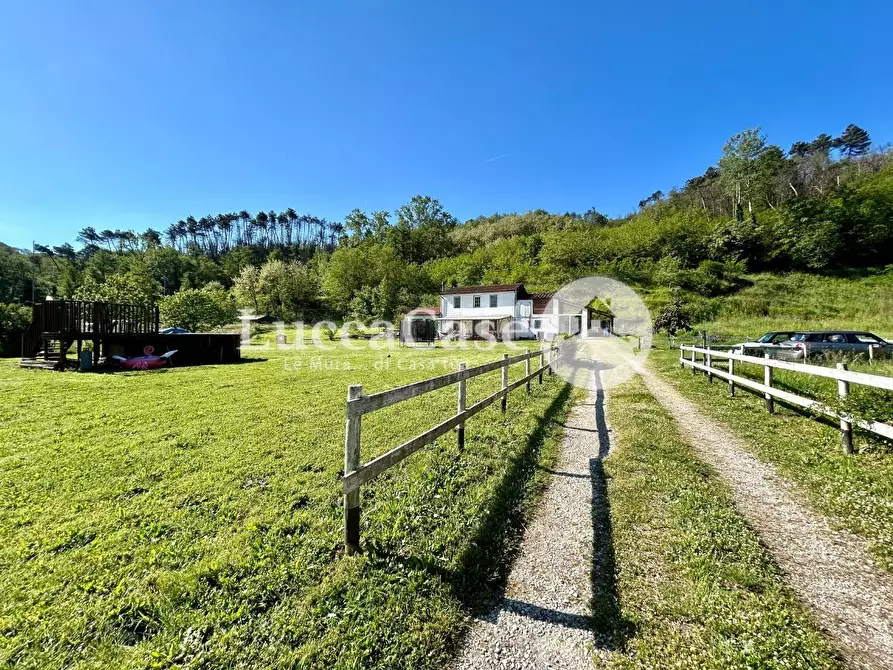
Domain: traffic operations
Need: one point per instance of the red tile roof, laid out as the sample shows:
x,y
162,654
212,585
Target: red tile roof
x,y
491,288
424,311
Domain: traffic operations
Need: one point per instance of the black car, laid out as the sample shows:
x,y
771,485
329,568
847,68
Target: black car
x,y
810,343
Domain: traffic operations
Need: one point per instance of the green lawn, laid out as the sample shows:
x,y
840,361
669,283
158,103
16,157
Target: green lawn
x,y
857,491
191,517
695,587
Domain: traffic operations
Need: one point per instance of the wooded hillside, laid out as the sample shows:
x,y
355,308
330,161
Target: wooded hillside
x,y
823,206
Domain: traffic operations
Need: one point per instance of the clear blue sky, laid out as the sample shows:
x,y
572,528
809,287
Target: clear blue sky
x,y
136,114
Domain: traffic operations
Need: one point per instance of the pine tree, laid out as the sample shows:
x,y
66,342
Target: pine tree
x,y
800,149
821,144
854,141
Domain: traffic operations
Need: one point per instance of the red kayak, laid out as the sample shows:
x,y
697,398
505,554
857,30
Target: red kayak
x,y
147,362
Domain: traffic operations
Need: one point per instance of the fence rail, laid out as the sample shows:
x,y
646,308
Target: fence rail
x,y
841,374
358,404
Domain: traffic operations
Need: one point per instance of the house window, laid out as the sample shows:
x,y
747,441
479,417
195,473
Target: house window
x,y
492,301
477,301
457,301
537,323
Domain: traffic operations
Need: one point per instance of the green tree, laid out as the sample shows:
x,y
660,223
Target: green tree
x,y
134,288
423,230
246,288
854,141
284,289
236,259
739,171
822,145
16,275
198,309
800,149
357,227
13,319
374,272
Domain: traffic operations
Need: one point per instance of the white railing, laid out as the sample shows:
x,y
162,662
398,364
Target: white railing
x,y
355,475
843,377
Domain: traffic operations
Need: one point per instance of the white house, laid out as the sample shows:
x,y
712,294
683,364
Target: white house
x,y
470,312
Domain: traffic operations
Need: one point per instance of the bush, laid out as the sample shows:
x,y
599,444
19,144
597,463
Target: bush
x,y
673,317
198,309
14,319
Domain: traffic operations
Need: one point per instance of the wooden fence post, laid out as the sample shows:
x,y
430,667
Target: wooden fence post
x,y
461,407
708,359
731,372
871,354
505,382
846,427
551,358
542,363
527,374
694,370
351,463
681,357
767,380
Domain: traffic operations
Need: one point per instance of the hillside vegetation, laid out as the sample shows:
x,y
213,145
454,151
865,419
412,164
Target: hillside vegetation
x,y
797,300
823,207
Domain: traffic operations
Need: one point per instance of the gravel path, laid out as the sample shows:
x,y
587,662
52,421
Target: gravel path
x,y
828,569
542,619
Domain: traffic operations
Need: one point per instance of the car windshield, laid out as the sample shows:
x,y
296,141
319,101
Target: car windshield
x,y
766,338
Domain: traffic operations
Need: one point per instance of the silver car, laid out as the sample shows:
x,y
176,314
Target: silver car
x,y
812,343
772,339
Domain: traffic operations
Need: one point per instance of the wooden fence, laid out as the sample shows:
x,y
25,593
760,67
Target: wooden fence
x,y
843,377
358,404
86,319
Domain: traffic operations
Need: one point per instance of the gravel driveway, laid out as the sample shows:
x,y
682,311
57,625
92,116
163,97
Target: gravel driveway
x,y
829,570
542,619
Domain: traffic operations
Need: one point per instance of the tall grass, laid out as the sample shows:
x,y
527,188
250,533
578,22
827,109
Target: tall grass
x,y
799,301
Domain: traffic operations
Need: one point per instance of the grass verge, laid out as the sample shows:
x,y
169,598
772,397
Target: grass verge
x,y
696,588
855,491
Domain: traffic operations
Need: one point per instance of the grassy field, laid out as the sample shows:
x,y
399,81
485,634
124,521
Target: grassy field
x,y
799,301
191,517
696,588
855,490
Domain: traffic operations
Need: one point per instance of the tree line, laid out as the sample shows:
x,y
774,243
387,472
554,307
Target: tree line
x,y
824,205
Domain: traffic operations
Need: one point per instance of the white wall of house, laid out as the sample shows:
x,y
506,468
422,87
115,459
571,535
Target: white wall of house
x,y
505,306
526,323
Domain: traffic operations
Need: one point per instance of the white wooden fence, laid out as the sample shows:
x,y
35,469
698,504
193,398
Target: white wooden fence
x,y
355,475
843,376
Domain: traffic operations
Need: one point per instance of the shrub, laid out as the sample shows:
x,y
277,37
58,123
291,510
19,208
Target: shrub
x,y
13,319
673,317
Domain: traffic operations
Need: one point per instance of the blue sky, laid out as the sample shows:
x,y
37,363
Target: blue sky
x,y
136,114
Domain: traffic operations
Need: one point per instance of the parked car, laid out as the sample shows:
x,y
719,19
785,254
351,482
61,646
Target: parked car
x,y
173,331
811,343
773,339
